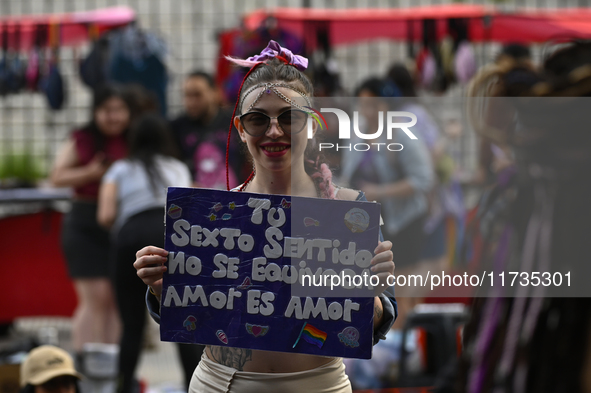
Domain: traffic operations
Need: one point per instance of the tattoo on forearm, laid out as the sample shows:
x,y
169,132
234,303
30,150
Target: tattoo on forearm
x,y
379,311
231,357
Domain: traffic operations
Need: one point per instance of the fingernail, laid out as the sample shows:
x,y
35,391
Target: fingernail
x,y
373,269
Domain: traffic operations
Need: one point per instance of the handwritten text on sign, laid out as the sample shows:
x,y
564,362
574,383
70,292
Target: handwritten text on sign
x,y
235,260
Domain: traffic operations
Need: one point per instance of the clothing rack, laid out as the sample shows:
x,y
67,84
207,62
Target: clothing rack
x,y
23,32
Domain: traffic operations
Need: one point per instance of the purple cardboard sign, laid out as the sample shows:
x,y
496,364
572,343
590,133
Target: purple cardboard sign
x,y
236,258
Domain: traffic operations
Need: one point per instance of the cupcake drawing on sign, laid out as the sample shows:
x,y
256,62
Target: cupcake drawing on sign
x,y
357,220
175,211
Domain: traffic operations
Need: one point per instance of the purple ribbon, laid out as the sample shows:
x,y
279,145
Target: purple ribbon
x,y
274,49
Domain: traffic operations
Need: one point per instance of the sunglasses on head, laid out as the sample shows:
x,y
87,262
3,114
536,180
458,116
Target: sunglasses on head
x,y
257,124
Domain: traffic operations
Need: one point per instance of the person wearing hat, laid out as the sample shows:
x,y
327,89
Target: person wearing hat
x,y
49,369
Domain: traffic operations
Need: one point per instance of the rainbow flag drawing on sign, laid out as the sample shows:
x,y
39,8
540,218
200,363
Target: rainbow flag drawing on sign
x,y
311,335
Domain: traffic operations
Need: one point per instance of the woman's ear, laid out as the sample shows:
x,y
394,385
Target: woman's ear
x,y
238,126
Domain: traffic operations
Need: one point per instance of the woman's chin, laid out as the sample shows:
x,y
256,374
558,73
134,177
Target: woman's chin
x,y
113,132
275,166
280,164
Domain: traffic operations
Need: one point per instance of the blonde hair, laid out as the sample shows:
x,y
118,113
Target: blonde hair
x,y
489,83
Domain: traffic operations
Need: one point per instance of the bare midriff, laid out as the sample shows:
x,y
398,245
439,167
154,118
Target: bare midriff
x,y
264,361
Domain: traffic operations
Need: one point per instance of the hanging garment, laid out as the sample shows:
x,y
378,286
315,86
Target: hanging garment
x,y
4,76
12,74
52,85
93,69
137,56
446,49
429,71
465,63
150,73
32,71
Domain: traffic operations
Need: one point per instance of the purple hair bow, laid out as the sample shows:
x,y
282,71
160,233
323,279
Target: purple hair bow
x,y
274,50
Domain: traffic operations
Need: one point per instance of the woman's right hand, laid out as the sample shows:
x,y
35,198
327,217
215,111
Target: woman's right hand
x,y
97,167
149,264
67,171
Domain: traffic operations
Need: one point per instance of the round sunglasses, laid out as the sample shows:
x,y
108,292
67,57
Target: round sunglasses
x,y
257,124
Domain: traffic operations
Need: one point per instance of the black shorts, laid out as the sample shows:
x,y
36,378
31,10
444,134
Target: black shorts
x,y
85,244
145,228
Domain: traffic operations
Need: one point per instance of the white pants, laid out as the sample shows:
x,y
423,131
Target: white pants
x,y
211,377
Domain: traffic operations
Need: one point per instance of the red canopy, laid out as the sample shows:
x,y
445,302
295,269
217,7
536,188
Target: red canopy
x,y
486,23
71,28
536,25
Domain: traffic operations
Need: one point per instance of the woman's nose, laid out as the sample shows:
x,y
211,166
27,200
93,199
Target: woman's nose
x,y
274,130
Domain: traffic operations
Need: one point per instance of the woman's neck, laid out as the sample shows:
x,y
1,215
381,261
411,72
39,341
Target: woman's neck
x,y
296,183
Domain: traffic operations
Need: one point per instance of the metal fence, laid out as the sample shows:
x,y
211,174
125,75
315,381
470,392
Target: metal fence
x,y
190,28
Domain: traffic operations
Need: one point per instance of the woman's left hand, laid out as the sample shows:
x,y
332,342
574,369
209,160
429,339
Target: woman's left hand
x,y
382,265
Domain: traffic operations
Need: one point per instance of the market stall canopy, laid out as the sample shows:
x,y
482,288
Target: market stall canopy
x,y
485,23
530,26
67,29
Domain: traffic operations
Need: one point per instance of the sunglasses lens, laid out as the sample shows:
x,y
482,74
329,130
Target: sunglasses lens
x,y
255,124
292,121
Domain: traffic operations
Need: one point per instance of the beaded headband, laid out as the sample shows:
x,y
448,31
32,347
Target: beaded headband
x,y
269,87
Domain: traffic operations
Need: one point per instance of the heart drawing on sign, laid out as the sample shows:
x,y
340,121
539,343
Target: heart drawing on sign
x,y
257,330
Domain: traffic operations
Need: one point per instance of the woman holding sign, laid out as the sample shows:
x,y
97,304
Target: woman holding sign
x,y
270,115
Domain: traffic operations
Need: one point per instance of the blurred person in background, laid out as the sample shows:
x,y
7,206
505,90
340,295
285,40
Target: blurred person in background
x,y
399,180
493,158
49,369
428,130
81,164
131,204
200,134
329,93
142,100
445,198
536,218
